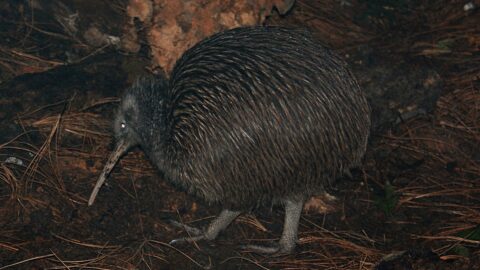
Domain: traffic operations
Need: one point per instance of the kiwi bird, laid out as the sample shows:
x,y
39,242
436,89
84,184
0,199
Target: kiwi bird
x,y
248,117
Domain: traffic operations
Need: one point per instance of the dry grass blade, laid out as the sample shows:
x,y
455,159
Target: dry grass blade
x,y
179,251
7,176
448,238
43,150
251,221
27,260
100,102
245,259
19,62
81,124
80,243
339,243
8,247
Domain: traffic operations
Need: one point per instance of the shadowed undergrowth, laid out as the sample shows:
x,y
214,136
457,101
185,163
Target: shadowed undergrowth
x,y
417,193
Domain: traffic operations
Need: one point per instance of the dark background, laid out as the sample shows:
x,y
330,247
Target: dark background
x,y
415,203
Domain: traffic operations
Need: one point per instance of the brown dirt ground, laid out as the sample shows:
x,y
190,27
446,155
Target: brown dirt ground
x,y
415,204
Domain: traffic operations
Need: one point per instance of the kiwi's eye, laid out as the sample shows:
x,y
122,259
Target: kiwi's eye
x,y
123,125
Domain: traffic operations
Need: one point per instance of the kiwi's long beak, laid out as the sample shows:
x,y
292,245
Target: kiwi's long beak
x,y
121,148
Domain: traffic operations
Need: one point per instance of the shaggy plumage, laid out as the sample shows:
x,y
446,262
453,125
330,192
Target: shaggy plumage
x,y
249,116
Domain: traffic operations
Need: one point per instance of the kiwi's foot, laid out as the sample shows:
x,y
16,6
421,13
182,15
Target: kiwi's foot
x,y
274,248
195,234
214,228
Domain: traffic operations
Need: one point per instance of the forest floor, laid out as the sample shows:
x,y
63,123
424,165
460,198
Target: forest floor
x,y
415,203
